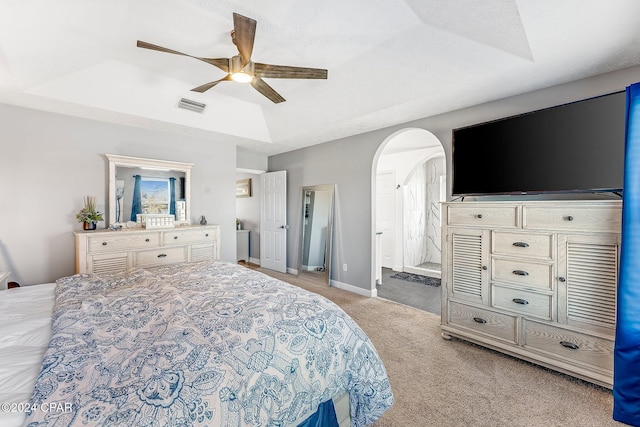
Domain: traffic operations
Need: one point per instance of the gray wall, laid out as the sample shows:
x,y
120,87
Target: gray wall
x,y
250,161
49,162
348,163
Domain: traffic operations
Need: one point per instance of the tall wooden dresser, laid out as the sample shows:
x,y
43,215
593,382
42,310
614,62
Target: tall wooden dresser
x,y
118,251
536,280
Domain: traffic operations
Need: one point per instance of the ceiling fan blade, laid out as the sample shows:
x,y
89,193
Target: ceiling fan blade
x,y
146,45
286,72
222,63
262,87
207,86
243,36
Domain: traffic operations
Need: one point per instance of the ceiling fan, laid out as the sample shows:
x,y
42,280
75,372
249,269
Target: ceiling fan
x,y
241,68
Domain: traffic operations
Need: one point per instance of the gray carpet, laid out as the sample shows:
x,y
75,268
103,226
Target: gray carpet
x,y
453,383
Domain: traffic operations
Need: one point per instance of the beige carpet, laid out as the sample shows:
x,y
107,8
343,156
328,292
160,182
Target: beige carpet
x,y
453,383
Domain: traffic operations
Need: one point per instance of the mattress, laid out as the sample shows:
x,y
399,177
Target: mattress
x,y
26,324
25,330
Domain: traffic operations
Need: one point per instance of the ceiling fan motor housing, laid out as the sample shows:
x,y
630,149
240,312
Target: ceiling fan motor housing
x,y
235,66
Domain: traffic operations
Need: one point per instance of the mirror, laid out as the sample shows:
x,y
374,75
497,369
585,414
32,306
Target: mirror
x,y
164,188
316,233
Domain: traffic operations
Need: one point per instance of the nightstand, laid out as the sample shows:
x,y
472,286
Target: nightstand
x,y
4,275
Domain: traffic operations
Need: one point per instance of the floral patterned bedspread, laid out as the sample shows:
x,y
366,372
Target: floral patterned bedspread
x,y
202,344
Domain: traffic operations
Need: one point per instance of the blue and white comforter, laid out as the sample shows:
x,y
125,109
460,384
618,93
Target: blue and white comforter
x,y
203,344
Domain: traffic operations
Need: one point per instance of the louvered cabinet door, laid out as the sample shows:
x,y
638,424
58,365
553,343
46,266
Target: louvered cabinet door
x,y
587,281
468,258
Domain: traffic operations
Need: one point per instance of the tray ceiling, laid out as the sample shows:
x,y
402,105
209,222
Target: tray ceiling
x,y
389,61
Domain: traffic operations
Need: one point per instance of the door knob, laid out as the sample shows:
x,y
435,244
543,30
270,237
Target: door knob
x,y
284,227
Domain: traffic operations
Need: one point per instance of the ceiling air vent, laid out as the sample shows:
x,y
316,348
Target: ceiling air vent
x,y
191,105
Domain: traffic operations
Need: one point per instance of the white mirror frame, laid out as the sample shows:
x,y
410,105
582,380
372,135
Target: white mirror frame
x,y
331,188
116,160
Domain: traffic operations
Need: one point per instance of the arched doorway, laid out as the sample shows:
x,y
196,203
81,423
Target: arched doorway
x,y
408,184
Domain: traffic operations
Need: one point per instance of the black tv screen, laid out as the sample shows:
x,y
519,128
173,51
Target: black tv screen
x,y
576,147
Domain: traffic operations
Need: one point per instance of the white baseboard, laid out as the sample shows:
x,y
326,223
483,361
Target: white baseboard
x,y
293,271
355,289
254,260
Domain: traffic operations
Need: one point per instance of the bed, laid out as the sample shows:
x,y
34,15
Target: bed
x,y
198,344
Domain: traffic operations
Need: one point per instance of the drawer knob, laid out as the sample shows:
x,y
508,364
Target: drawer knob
x,y
484,267
206,235
146,240
562,279
162,255
521,244
520,273
520,301
479,216
479,320
104,243
568,218
569,344
175,237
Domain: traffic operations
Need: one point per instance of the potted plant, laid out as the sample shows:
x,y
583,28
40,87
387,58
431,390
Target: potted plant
x,y
88,215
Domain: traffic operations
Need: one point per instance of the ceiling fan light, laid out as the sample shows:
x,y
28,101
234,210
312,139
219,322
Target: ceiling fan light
x,y
241,77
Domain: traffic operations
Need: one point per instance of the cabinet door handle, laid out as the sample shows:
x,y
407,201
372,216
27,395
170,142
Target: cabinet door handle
x,y
568,218
521,244
520,301
569,344
520,273
206,235
562,279
146,240
484,267
479,216
479,320
175,237
104,243
162,255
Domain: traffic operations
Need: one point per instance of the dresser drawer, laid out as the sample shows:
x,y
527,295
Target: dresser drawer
x,y
182,237
488,322
161,256
595,218
493,216
122,240
533,274
568,344
522,302
522,244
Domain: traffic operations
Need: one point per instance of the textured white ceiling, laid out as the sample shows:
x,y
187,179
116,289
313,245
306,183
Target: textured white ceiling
x,y
389,61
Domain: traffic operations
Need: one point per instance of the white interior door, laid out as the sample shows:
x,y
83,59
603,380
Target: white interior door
x,y
385,215
273,221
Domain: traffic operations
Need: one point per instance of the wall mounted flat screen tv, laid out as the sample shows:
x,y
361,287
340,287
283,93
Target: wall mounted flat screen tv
x,y
576,147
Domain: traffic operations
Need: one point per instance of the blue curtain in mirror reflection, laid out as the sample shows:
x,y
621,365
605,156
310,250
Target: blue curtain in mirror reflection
x,y
626,375
136,203
172,196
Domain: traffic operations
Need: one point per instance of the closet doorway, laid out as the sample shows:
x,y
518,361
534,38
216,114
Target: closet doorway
x,y
409,178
